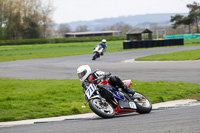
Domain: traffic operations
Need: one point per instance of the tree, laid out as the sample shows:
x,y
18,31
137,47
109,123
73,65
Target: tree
x,y
181,20
82,28
2,18
192,18
120,26
64,28
177,20
46,12
195,13
188,21
25,18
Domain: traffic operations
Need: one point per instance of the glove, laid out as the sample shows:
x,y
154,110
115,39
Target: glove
x,y
108,74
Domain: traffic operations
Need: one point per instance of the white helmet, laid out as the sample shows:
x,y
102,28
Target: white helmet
x,y
104,40
83,72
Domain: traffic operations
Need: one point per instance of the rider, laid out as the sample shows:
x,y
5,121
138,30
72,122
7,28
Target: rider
x,y
85,75
103,44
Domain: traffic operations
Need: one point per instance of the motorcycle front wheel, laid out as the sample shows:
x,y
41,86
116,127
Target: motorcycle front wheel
x,y
94,57
104,110
144,104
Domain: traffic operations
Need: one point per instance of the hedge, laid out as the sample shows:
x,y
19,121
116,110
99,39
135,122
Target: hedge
x,y
59,40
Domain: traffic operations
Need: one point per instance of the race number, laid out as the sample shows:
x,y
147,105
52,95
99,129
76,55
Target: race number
x,y
132,105
90,90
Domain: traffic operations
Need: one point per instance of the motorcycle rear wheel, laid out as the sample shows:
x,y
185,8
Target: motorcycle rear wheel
x,y
102,110
144,105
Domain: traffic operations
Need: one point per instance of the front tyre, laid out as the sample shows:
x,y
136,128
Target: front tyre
x,y
103,110
94,57
143,105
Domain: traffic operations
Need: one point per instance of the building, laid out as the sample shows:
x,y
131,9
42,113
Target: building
x,y
145,34
92,34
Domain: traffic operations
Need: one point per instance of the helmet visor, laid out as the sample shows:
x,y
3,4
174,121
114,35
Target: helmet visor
x,y
82,74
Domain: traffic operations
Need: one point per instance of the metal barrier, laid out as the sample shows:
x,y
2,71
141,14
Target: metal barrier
x,y
152,43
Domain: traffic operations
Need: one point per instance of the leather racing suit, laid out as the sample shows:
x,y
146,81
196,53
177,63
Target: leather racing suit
x,y
115,81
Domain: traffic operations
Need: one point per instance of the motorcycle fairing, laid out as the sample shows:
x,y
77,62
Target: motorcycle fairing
x,y
120,111
127,105
123,106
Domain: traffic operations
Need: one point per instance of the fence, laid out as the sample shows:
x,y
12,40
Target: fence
x,y
184,36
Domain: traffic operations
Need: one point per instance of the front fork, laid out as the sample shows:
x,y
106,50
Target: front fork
x,y
102,100
96,96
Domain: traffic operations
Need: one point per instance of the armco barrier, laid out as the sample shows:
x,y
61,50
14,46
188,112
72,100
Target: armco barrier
x,y
152,43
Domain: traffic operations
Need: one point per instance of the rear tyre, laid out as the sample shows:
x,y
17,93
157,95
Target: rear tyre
x,y
143,105
102,110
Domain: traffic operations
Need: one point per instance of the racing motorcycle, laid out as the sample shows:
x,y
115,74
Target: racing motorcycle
x,y
107,101
97,52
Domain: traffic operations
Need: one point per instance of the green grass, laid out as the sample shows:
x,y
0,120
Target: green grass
x,y
29,99
21,52
177,56
191,42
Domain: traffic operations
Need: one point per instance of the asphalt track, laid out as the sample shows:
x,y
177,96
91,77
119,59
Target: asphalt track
x,y
176,120
173,120
118,63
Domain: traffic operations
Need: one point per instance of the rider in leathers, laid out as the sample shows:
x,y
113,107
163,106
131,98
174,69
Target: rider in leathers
x,y
103,44
86,76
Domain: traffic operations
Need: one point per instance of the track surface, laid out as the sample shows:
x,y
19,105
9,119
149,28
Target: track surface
x,y
177,120
65,67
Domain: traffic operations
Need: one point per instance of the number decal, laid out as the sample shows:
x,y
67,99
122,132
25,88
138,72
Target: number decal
x,y
90,90
132,105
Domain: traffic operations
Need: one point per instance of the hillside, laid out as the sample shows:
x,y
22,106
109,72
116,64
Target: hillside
x,y
136,21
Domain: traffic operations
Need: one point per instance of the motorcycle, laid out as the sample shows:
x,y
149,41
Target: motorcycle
x,y
98,50
107,101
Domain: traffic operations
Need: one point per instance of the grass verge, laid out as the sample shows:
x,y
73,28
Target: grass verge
x,y
21,52
29,99
183,55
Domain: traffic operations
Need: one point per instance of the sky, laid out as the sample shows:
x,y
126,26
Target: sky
x,y
80,10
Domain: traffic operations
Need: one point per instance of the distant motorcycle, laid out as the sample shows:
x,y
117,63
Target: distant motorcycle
x,y
106,101
98,50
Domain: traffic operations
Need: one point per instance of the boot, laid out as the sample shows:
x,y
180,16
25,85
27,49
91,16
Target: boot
x,y
128,90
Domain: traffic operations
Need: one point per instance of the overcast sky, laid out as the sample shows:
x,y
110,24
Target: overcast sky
x,y
75,10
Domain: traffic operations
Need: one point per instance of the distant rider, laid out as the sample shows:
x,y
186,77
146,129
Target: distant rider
x,y
86,76
103,44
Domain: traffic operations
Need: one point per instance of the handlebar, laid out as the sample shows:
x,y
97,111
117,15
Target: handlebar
x,y
96,81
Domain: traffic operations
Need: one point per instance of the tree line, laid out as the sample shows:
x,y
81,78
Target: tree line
x,y
191,20
23,19
27,19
